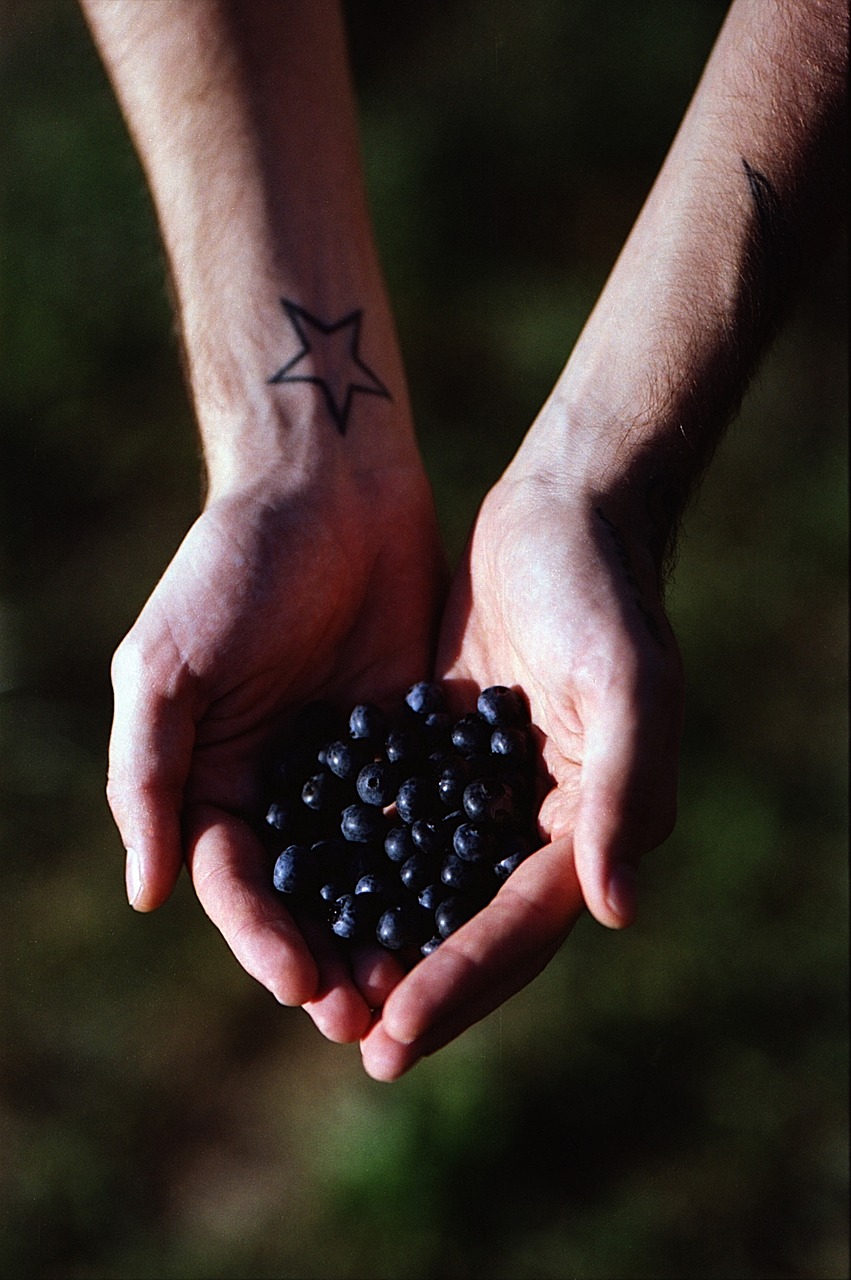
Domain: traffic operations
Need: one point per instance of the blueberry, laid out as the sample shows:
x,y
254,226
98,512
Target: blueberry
x,y
416,798
344,759
510,744
428,836
399,844
451,781
345,917
472,843
471,735
462,875
320,792
402,746
405,924
295,871
417,872
367,721
437,728
362,823
488,799
331,891
431,945
509,863
376,883
280,816
501,707
377,783
425,697
433,894
452,913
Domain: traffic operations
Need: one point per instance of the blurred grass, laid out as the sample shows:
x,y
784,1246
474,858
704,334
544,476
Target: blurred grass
x,y
670,1102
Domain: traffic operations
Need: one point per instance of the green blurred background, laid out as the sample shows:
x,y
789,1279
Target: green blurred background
x,y
670,1102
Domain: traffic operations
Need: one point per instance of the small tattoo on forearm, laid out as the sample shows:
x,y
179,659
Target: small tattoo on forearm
x,y
330,359
616,537
765,198
768,260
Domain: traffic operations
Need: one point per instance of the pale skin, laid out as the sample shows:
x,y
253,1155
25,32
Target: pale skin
x,y
561,589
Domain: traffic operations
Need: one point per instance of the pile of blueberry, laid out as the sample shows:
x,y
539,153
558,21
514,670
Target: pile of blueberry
x,y
399,828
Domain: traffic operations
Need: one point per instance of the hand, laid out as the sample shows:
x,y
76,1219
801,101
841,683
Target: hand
x,y
273,599
553,598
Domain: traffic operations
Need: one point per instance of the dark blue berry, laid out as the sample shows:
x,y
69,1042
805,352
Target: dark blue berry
x,y
295,871
417,872
463,875
280,816
433,894
320,792
471,735
344,759
451,781
437,728
362,823
367,721
473,843
502,708
452,913
377,783
403,746
402,925
345,917
428,836
399,844
425,697
431,945
417,798
510,744
376,882
488,800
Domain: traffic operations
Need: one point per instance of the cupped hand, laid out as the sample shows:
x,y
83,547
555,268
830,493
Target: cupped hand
x,y
273,599
556,597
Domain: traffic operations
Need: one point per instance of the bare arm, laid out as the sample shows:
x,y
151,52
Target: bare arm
x,y
315,567
561,588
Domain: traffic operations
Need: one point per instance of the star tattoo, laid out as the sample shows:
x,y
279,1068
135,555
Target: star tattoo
x,y
330,359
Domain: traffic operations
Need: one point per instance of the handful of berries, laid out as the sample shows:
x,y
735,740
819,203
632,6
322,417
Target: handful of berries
x,y
400,828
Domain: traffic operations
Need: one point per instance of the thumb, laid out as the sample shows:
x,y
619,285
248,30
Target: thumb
x,y
627,806
150,749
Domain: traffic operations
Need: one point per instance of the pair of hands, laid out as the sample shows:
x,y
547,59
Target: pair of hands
x,y
276,598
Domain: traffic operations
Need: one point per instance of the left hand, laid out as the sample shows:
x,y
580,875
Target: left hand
x,y
554,600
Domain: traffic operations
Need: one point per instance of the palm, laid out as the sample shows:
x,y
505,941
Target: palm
x,y
264,608
539,603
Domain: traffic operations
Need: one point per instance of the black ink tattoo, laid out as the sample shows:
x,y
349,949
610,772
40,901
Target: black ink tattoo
x,y
650,621
768,266
768,208
339,370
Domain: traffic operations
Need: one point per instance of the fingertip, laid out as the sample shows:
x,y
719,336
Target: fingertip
x,y
622,894
385,1059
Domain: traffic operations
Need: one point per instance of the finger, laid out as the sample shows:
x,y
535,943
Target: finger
x,y
376,972
480,966
338,1009
627,803
149,755
230,871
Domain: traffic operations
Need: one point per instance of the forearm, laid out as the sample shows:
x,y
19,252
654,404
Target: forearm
x,y
665,356
243,119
